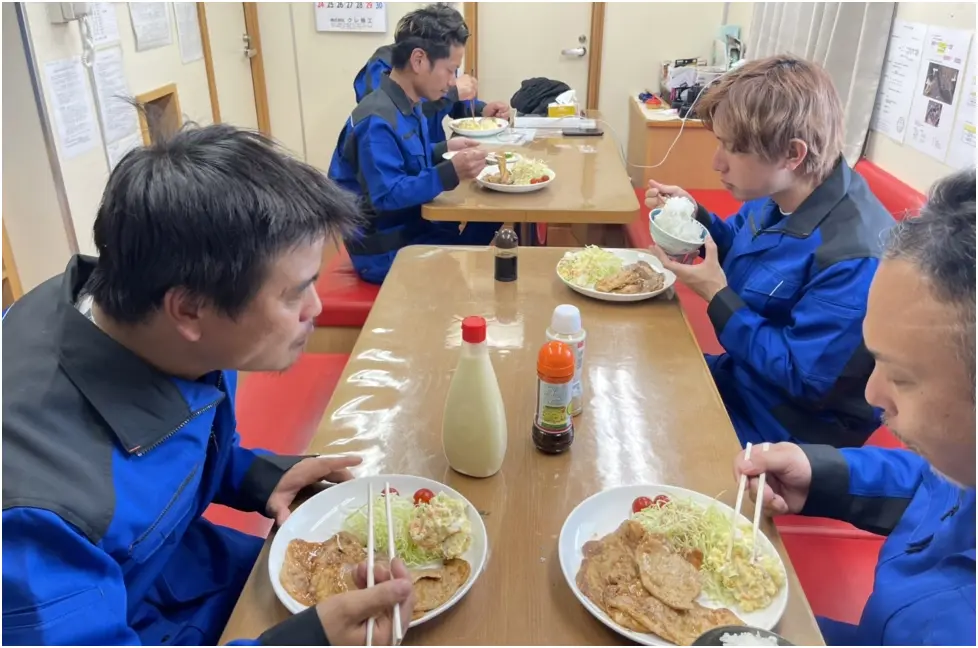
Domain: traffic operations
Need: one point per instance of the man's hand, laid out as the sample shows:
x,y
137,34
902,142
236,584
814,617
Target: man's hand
x,y
344,616
469,163
306,473
655,196
705,279
461,143
468,87
496,109
789,476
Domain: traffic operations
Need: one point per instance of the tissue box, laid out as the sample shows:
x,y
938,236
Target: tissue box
x,y
562,110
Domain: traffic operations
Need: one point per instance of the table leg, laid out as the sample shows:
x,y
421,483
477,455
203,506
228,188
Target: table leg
x,y
526,237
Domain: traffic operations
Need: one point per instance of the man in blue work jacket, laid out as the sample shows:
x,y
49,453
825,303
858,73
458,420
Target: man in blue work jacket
x,y
118,403
786,278
385,154
920,326
459,102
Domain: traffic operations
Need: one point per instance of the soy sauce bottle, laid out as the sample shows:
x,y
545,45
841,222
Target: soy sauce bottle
x,y
505,248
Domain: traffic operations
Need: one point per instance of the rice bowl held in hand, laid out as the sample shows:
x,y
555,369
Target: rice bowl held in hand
x,y
674,227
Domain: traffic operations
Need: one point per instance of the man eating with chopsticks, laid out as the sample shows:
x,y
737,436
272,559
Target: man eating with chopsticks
x,y
920,327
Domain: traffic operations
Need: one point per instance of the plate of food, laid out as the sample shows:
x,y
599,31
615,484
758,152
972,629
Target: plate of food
x,y
524,176
651,563
438,534
614,275
478,126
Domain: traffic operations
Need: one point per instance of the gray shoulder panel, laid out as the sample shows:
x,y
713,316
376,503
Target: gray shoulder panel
x,y
376,104
855,229
57,451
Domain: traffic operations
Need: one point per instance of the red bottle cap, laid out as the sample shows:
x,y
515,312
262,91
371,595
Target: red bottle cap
x,y
474,330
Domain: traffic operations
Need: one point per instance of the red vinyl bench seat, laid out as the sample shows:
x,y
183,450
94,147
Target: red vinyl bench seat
x,y
346,298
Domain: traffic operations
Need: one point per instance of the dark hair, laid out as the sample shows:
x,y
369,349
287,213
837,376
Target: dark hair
x,y
434,29
941,242
207,209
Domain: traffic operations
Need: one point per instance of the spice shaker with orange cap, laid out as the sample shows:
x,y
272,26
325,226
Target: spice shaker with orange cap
x,y
553,425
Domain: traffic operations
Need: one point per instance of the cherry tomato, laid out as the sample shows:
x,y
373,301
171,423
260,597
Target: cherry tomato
x,y
659,501
535,181
545,178
393,490
640,504
423,496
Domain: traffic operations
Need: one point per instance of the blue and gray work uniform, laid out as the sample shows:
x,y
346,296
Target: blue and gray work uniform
x,y
379,66
790,319
384,155
924,585
108,465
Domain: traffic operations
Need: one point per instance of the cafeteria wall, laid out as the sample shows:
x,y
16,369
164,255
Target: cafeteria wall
x,y
909,165
85,175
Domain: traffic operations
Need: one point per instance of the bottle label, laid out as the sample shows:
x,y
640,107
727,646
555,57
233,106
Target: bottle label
x,y
577,392
553,406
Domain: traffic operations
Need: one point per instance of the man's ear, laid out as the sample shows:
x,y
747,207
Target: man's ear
x,y
418,58
184,310
797,152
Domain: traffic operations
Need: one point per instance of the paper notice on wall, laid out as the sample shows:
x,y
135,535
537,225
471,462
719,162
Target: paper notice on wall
x,y
102,24
188,32
938,90
961,154
72,109
150,24
118,149
351,16
895,96
119,117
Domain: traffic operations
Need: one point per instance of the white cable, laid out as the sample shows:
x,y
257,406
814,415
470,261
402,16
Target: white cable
x,y
88,43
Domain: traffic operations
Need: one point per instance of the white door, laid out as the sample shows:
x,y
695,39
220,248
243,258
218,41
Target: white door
x,y
232,65
539,39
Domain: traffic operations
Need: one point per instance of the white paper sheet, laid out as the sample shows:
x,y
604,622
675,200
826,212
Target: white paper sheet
x,y
119,118
103,24
150,24
962,150
72,110
900,72
118,149
188,31
351,16
938,90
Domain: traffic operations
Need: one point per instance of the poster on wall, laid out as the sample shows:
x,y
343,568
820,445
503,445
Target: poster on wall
x,y
150,24
102,24
351,16
962,151
895,96
119,117
938,90
188,32
73,112
118,149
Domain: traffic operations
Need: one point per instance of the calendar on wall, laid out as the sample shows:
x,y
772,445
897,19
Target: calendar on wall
x,y
351,16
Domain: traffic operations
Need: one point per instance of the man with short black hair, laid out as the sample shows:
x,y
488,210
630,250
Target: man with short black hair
x,y
386,154
920,327
118,402
460,100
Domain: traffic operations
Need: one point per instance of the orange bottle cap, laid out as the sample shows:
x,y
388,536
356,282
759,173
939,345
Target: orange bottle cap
x,y
556,361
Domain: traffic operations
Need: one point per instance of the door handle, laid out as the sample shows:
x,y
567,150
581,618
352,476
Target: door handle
x,y
579,52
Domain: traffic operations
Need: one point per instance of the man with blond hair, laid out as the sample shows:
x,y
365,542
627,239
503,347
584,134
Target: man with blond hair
x,y
787,277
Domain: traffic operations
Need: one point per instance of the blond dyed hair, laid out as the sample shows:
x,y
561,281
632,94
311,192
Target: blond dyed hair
x,y
763,105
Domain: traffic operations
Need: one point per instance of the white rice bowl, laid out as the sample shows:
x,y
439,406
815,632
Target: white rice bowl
x,y
746,639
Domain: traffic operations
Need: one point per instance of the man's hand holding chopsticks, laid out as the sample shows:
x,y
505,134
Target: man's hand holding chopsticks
x,y
344,617
789,477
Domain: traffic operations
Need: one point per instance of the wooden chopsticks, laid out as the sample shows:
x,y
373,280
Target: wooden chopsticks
x,y
758,507
391,554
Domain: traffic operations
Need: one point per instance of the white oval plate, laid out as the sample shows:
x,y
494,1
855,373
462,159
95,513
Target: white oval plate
x,y
492,159
628,257
604,512
501,125
322,516
515,189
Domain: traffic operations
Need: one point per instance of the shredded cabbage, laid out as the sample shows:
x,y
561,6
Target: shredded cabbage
x,y
528,169
469,124
589,266
688,526
402,512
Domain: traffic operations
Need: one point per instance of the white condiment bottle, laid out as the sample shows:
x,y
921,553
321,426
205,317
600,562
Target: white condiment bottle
x,y
565,326
474,433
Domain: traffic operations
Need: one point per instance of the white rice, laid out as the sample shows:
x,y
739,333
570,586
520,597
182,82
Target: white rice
x,y
746,639
676,219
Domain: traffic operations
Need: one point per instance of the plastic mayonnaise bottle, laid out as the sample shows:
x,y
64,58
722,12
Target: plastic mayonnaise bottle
x,y
565,326
474,433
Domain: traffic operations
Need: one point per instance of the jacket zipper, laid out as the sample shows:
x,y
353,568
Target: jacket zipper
x,y
193,415
159,518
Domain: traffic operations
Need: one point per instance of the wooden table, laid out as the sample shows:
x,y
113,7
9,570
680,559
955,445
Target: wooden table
x,y
592,188
689,165
651,414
